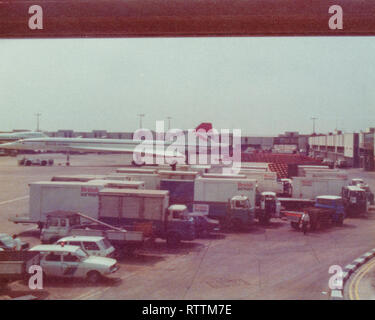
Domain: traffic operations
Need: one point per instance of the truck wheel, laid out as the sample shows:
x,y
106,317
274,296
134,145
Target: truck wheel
x,y
93,276
173,240
43,163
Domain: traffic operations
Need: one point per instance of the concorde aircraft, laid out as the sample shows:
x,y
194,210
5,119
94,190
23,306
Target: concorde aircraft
x,y
68,145
14,136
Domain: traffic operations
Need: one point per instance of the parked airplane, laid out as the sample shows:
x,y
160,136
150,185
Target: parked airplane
x,y
68,145
14,136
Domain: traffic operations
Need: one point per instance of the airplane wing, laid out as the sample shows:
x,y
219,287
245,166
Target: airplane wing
x,y
164,153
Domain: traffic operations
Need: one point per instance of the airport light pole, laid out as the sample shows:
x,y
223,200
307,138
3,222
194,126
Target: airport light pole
x,y
169,122
313,119
37,121
141,115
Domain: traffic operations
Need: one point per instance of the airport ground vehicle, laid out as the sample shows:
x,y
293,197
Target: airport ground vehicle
x,y
180,191
151,180
239,214
214,193
287,187
341,163
327,210
355,200
14,265
7,243
50,196
311,187
147,211
61,224
269,207
361,184
35,162
328,162
94,246
203,225
72,262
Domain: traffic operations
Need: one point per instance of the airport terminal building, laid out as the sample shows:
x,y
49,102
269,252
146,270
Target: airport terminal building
x,y
356,148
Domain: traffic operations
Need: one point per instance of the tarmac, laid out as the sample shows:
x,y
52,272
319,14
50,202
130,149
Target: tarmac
x,y
267,262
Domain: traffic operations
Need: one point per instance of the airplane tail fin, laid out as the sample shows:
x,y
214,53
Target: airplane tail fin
x,y
204,126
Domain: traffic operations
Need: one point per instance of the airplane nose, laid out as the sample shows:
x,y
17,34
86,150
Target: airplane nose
x,y
9,145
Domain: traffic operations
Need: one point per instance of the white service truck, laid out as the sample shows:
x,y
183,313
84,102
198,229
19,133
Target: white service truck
x,y
311,187
50,196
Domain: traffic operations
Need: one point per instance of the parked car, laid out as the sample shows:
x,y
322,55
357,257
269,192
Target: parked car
x,y
203,225
35,162
8,243
94,246
72,262
341,163
328,162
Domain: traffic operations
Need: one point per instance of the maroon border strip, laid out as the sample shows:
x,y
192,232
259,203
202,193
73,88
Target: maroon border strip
x,y
183,18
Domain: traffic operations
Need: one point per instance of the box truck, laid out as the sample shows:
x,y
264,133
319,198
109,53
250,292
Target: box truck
x,y
218,196
151,180
49,196
310,188
147,211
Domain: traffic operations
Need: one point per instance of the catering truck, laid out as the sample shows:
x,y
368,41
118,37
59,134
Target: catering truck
x,y
180,191
151,180
147,211
311,187
217,195
49,196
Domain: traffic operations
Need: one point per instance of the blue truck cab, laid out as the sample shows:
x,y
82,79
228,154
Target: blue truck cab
x,y
179,226
332,202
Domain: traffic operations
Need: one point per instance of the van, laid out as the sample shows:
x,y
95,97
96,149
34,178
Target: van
x,y
94,246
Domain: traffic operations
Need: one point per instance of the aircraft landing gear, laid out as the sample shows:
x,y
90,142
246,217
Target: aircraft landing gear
x,y
67,159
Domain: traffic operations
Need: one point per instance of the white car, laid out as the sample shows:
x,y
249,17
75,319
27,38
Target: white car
x,y
72,262
94,246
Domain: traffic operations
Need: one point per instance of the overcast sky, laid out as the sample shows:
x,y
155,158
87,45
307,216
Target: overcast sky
x,y
264,86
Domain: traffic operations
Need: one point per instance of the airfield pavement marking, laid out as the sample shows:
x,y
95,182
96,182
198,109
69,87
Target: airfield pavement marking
x,y
357,278
13,200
